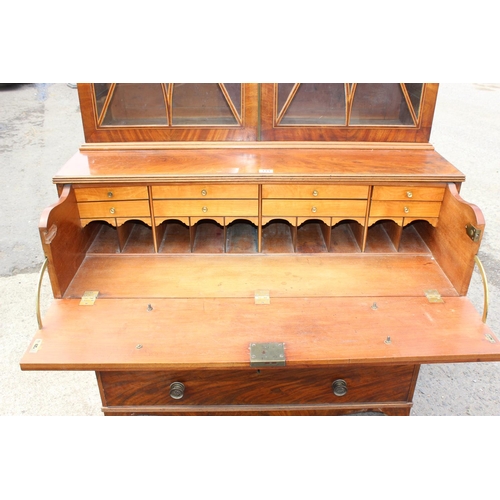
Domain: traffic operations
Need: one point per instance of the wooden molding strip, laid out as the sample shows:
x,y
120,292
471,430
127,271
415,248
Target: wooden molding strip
x,y
119,146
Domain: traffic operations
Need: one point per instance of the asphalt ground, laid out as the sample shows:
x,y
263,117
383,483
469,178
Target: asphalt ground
x,y
40,129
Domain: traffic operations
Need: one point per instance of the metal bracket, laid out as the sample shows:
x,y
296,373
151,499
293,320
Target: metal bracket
x,y
472,232
267,354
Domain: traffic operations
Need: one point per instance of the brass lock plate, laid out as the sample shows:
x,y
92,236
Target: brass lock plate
x,y
267,354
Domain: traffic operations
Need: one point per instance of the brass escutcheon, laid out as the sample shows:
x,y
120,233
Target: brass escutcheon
x,y
314,210
409,194
315,193
204,209
112,210
407,210
203,192
110,194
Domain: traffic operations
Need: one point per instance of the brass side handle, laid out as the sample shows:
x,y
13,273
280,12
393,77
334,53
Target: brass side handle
x,y
40,279
177,390
485,287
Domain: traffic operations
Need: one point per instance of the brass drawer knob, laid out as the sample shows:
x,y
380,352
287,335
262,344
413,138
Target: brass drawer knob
x,y
315,193
409,194
203,192
407,210
339,387
112,210
314,210
204,210
110,194
177,390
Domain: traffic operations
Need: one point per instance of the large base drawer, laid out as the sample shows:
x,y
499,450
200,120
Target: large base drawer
x,y
279,385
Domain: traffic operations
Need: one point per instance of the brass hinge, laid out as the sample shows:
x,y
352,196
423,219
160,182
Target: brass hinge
x,y
433,296
473,232
262,297
88,298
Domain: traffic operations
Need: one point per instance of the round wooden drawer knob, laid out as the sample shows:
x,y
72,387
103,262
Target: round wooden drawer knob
x,y
339,387
177,390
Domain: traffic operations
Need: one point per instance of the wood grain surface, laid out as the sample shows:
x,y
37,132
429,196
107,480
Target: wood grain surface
x,y
284,275
259,386
267,165
217,333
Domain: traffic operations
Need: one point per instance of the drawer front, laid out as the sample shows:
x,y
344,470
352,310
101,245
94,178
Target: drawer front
x,y
111,193
408,193
209,191
264,386
313,208
314,191
405,209
101,209
208,208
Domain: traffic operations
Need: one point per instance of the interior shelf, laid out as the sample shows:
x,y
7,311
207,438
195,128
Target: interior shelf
x,y
233,275
130,237
278,237
175,238
242,237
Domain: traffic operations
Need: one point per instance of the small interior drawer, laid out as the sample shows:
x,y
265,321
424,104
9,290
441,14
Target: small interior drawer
x,y
314,208
405,208
209,191
314,191
410,193
259,386
99,209
208,208
111,193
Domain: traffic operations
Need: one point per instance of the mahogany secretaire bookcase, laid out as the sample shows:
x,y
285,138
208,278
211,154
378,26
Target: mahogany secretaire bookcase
x,y
271,249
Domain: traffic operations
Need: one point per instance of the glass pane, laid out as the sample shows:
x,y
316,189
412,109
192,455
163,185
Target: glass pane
x,y
379,104
284,90
201,104
234,91
136,104
316,104
415,93
100,92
